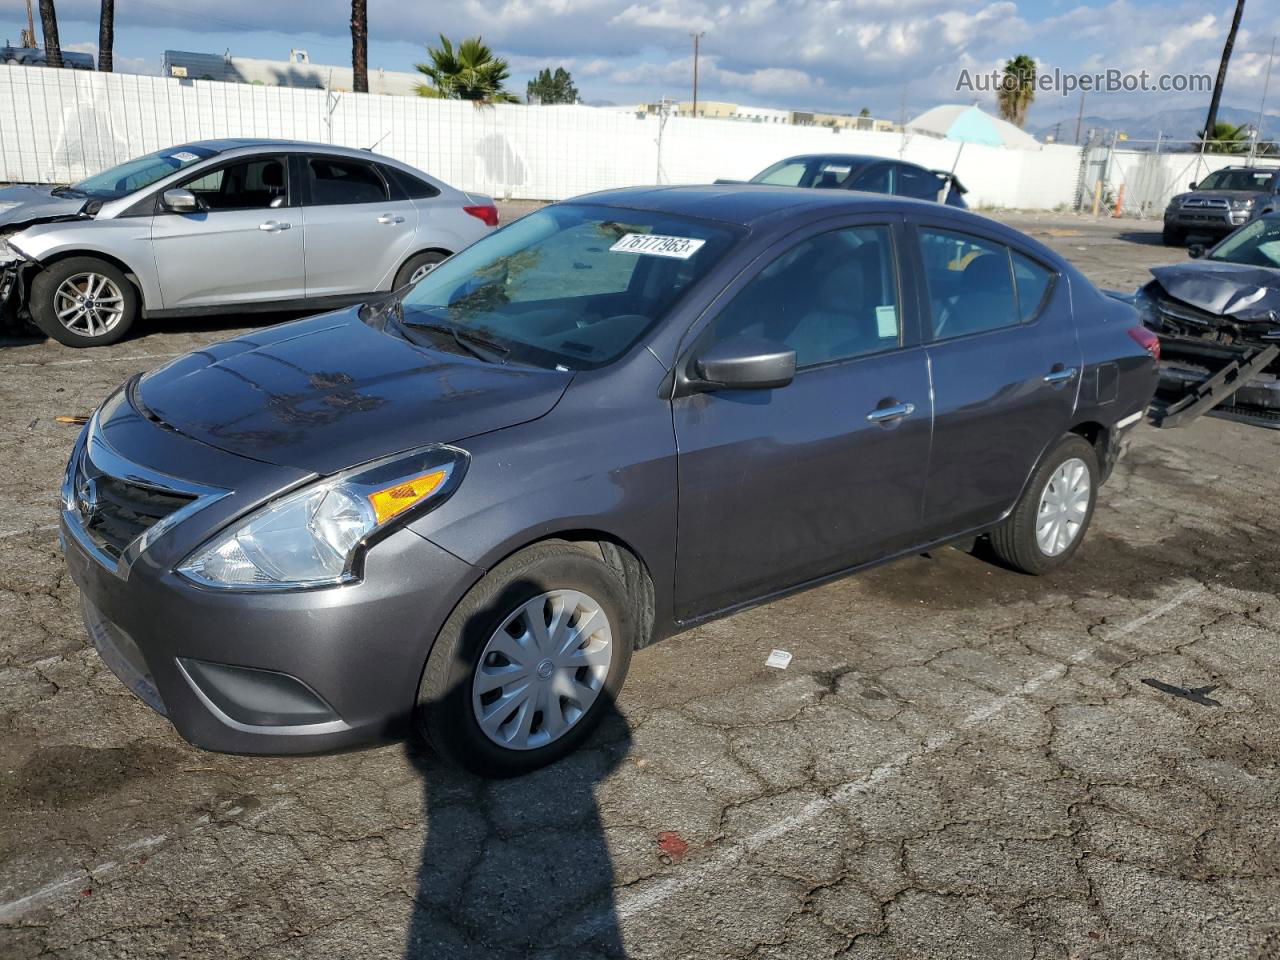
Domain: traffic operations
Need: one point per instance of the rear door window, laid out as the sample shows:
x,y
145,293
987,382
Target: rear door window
x,y
917,183
335,181
1032,280
971,284
876,179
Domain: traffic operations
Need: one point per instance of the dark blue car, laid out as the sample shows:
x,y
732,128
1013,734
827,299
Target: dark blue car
x,y
460,509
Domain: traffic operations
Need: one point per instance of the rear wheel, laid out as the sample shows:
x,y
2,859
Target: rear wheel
x,y
417,267
83,302
1046,527
528,663
1173,237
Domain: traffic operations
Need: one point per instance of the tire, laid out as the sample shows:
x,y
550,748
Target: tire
x,y
1016,541
109,315
415,263
449,705
1173,237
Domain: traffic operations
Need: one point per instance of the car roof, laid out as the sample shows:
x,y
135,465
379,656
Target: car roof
x,y
228,144
747,204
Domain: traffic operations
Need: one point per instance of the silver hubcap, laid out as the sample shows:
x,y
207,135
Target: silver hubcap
x,y
421,272
542,670
1063,506
89,304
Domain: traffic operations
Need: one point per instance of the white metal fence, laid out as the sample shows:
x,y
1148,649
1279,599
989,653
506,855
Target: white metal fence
x,y
62,125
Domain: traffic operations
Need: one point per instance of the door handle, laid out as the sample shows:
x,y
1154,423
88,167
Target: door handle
x,y
388,218
271,226
1060,375
890,414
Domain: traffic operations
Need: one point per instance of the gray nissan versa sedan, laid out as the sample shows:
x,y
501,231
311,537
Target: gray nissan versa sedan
x,y
462,507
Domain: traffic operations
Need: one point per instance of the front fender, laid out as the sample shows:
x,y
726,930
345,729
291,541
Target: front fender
x,y
125,241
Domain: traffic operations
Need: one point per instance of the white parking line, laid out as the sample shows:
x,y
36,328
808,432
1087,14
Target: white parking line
x,y
729,856
15,909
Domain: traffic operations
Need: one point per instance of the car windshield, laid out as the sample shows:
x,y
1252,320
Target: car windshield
x,y
571,286
1257,244
141,172
1236,180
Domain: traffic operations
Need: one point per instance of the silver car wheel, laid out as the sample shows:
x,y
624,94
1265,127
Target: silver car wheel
x,y
88,304
542,670
1063,506
422,271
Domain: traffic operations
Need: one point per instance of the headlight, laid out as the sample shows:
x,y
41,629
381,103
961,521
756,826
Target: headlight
x,y
1241,204
315,536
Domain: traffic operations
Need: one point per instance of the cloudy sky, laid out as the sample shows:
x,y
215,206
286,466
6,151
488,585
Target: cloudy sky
x,y
838,55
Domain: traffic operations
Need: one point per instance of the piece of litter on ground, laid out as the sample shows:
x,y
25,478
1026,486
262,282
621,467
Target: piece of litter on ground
x,y
77,421
779,659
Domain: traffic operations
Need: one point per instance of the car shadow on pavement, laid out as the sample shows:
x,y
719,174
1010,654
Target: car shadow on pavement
x,y
519,867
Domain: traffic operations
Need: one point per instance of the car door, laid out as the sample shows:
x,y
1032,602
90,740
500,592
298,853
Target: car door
x,y
244,246
358,232
1005,364
783,485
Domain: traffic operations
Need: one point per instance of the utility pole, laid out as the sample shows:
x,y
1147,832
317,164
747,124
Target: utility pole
x,y
697,39
29,38
1262,108
1079,118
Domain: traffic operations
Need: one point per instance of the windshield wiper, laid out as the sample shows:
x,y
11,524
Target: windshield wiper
x,y
476,344
68,192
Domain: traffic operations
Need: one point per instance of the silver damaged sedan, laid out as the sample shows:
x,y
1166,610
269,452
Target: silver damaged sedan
x,y
225,226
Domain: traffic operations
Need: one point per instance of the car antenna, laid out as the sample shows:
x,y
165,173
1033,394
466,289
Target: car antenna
x,y
378,141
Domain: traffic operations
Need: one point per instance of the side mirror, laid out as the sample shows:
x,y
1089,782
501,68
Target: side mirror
x,y
745,363
1195,251
1192,185
180,201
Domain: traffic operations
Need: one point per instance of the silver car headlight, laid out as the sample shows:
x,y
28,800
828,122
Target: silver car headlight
x,y
316,536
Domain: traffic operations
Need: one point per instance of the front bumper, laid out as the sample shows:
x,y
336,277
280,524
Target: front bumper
x,y
1206,220
247,671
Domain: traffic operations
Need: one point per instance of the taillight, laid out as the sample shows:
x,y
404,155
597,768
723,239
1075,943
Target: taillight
x,y
1147,340
488,213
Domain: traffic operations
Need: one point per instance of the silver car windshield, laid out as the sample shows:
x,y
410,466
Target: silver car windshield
x,y
570,286
1257,244
141,172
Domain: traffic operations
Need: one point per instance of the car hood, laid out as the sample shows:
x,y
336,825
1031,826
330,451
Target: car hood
x,y
1228,289
23,205
333,392
1220,194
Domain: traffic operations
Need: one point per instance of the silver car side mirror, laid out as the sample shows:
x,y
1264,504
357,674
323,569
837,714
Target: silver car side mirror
x,y
180,201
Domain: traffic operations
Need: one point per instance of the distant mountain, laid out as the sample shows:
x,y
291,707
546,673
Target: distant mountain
x,y
1180,125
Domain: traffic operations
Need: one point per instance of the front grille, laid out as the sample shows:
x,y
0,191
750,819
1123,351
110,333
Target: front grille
x,y
1211,202
114,511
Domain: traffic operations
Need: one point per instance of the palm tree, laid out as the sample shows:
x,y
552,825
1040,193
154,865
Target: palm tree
x,y
360,46
106,35
471,72
1018,90
1227,139
1211,123
49,23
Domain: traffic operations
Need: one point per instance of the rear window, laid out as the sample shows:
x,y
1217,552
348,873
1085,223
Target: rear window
x,y
336,181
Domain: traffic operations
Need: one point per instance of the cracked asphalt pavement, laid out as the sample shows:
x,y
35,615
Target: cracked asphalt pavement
x,y
959,761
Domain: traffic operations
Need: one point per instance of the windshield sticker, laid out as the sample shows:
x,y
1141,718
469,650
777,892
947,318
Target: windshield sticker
x,y
656,245
184,157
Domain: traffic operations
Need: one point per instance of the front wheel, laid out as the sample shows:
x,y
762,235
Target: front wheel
x,y
1046,527
83,302
529,661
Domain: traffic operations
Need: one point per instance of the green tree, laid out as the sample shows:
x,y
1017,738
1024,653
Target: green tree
x,y
548,87
864,112
471,72
1018,90
1226,139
